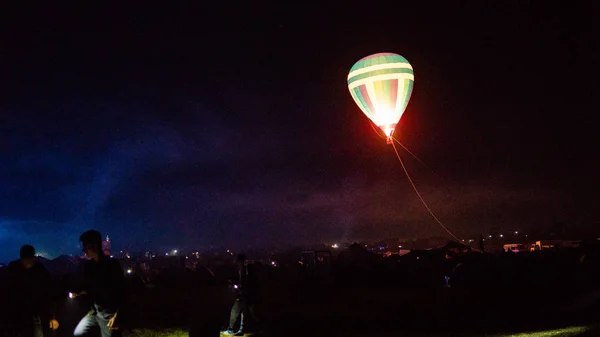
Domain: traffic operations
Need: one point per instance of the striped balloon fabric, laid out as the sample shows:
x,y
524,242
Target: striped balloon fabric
x,y
381,85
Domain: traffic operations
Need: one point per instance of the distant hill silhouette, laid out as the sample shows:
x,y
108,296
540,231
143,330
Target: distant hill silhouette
x,y
61,265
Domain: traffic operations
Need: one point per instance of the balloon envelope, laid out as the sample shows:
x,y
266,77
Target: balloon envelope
x,y
381,85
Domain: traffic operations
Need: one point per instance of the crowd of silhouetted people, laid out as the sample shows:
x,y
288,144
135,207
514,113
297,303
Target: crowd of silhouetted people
x,y
456,277
31,295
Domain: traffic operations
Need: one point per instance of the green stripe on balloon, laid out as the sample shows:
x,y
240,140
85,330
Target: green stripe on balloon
x,y
380,72
359,100
367,99
380,58
364,100
408,84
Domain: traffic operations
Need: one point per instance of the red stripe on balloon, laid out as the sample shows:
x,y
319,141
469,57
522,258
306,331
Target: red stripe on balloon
x,y
365,95
393,92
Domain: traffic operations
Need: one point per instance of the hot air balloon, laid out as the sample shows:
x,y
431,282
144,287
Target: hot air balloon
x,y
381,85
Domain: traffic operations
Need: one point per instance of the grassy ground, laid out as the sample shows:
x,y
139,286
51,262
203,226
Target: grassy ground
x,y
315,312
567,332
574,331
156,333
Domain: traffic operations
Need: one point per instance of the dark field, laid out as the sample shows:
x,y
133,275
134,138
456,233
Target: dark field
x,y
542,294
332,311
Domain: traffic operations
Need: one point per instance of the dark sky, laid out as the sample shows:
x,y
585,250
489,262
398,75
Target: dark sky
x,y
231,124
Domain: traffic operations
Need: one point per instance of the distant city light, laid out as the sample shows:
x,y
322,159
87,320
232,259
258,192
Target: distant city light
x,y
128,271
490,236
71,295
399,246
516,232
166,254
501,235
175,251
335,245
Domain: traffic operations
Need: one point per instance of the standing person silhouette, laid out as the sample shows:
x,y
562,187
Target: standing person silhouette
x,y
104,284
30,292
247,296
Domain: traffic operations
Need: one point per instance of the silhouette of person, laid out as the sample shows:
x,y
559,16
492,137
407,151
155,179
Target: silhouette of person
x,y
448,268
104,284
247,296
30,291
481,243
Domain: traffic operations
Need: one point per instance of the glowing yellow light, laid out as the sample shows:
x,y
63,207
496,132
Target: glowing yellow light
x,y
54,324
388,131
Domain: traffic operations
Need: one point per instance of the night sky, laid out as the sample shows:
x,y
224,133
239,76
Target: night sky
x,y
230,125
